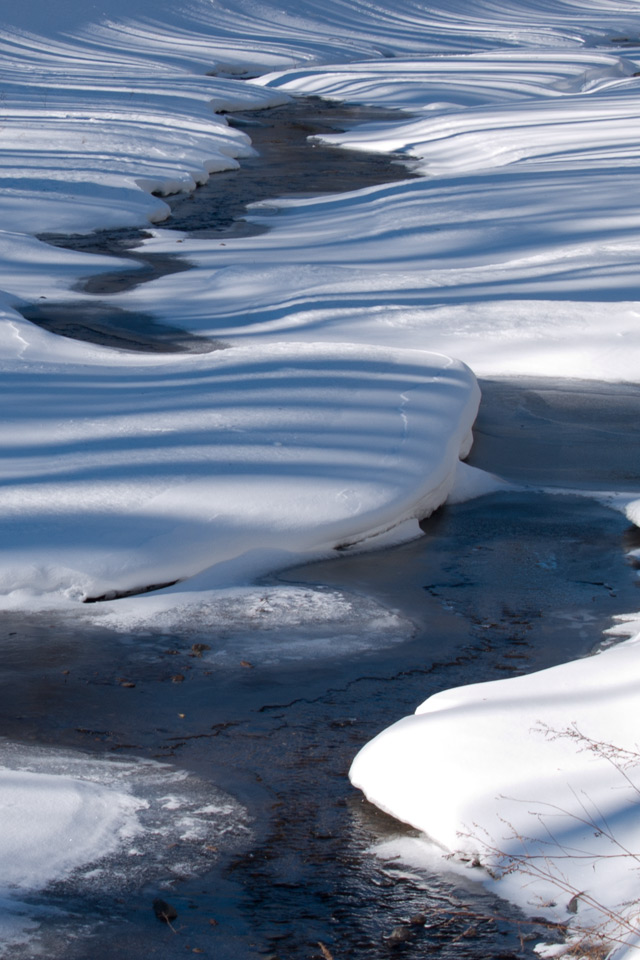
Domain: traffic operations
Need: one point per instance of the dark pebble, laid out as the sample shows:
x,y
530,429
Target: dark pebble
x,y
199,647
164,911
397,936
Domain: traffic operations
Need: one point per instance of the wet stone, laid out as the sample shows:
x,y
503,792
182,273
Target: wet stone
x,y
164,911
398,935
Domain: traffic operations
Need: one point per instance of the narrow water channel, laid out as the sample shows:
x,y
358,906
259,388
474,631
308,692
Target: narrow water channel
x,y
286,164
279,735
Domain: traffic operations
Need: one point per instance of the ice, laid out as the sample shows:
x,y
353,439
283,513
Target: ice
x,y
268,625
92,826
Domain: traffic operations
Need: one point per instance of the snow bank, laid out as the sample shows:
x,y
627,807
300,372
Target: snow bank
x,y
595,133
255,36
83,823
504,254
518,274
104,106
449,82
84,149
121,473
250,33
535,777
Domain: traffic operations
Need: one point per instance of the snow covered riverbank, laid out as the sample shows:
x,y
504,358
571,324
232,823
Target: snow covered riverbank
x,y
346,396
136,473
534,779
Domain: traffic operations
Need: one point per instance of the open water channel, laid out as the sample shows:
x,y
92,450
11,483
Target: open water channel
x,y
497,586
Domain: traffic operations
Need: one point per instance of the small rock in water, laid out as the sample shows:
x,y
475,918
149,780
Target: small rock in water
x,y
164,911
198,648
397,936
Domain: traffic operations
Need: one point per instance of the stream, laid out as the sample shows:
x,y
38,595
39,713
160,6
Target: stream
x,y
287,872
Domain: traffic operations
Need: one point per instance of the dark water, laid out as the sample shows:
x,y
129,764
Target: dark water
x,y
575,434
109,326
495,587
288,164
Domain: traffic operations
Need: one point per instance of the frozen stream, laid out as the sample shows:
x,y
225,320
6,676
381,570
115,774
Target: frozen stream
x,y
279,737
289,867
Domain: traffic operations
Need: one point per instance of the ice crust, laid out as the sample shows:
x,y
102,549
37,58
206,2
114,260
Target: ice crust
x,y
89,825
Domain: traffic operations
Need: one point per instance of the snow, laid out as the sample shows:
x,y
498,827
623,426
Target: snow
x,y
516,250
88,821
535,777
337,413
141,473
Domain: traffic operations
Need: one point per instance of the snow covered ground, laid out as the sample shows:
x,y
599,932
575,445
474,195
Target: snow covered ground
x,y
338,414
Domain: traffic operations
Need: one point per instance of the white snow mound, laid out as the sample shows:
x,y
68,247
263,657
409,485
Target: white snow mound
x,y
152,470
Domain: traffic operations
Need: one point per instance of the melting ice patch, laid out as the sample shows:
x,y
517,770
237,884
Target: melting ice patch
x,y
267,624
77,827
